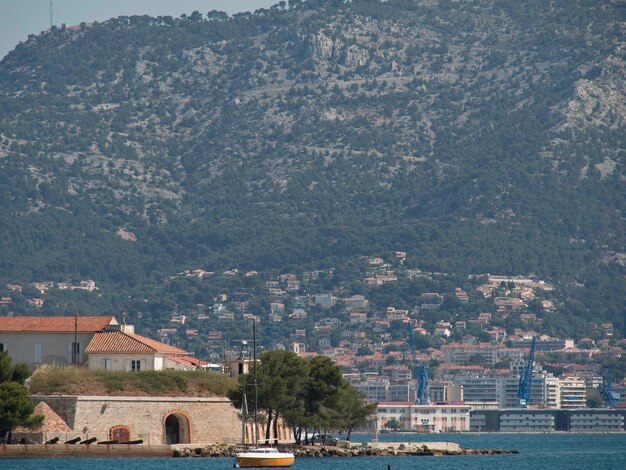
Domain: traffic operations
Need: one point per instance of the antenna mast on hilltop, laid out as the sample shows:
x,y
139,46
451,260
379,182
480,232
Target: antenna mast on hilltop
x,y
51,15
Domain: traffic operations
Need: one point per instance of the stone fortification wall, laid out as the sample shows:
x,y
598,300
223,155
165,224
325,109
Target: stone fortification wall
x,y
200,420
64,406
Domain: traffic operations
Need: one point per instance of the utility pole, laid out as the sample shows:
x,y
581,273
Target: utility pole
x,y
244,414
75,345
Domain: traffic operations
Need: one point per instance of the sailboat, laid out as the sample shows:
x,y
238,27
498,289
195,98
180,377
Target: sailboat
x,y
264,457
260,456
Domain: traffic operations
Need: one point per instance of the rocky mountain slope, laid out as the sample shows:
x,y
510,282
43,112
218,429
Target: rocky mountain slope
x,y
479,136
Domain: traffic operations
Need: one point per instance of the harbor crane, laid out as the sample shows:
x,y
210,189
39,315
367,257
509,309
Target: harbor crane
x,y
526,377
419,372
608,395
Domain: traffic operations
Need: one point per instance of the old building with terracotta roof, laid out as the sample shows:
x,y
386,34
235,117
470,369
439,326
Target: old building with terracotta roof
x,y
119,350
50,340
96,342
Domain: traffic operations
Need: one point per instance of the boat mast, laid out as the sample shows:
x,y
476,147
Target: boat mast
x,y
256,432
244,412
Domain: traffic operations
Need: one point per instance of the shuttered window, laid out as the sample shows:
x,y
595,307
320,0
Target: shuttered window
x,y
135,365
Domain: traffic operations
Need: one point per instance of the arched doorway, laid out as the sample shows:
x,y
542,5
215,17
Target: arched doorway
x,y
177,429
120,434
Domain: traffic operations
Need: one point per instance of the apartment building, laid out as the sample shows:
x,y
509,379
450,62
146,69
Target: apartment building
x,y
385,390
488,353
573,392
449,417
489,388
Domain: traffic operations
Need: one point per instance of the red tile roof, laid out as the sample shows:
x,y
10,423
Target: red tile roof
x,y
54,324
186,360
119,342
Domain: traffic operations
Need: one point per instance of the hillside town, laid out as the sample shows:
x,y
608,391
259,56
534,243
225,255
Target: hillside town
x,y
451,362
474,358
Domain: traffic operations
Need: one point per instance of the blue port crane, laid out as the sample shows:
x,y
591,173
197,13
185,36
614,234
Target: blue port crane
x,y
419,372
608,395
526,377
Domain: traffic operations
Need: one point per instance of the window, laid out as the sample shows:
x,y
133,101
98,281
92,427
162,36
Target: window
x,y
1,347
135,365
106,364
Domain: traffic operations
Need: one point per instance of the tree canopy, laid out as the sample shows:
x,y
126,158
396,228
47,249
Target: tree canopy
x,y
15,407
310,396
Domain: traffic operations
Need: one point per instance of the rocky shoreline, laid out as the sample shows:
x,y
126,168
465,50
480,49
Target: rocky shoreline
x,y
331,451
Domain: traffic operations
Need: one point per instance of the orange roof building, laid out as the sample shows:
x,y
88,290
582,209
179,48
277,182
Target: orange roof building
x,y
51,340
120,342
97,342
118,350
55,324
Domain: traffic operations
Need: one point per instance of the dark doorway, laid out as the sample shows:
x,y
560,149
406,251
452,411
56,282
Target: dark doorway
x,y
176,429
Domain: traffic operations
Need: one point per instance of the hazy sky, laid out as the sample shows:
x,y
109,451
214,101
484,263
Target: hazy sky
x,y
19,18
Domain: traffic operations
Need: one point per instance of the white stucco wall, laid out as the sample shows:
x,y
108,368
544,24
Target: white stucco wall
x,y
121,362
55,347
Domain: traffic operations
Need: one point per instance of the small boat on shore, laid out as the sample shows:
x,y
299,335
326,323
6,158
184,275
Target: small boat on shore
x,y
259,456
264,457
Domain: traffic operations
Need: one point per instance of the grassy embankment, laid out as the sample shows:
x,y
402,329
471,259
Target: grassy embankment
x,y
49,380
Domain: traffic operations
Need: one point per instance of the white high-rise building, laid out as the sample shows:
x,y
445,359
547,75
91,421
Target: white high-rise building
x,y
573,392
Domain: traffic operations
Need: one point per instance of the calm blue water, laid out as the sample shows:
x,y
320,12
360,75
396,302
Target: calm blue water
x,y
552,452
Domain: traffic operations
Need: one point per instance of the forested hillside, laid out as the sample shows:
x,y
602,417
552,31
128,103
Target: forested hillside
x,y
478,136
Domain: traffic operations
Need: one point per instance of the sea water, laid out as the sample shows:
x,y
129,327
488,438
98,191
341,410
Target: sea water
x,y
537,452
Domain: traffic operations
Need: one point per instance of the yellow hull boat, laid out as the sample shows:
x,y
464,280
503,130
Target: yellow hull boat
x,y
264,457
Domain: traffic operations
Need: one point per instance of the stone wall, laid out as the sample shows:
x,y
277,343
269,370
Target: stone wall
x,y
209,420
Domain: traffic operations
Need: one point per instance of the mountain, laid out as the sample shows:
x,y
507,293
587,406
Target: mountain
x,y
478,136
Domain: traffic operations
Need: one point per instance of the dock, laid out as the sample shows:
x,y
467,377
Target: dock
x,y
22,451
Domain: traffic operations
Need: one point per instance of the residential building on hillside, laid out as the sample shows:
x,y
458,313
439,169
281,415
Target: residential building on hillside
x,y
324,300
509,304
541,345
358,317
355,302
489,354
